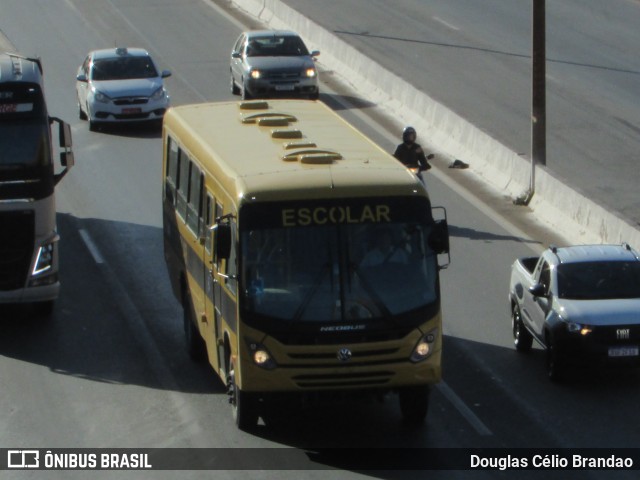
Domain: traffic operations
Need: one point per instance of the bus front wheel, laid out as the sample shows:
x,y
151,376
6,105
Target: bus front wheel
x,y
244,404
414,404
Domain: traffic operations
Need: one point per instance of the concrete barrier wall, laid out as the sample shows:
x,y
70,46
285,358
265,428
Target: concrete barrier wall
x,y
566,210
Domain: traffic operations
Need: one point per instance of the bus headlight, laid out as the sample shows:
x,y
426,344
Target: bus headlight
x,y
424,347
44,259
261,356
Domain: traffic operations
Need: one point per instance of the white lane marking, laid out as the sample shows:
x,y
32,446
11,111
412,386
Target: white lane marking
x,y
91,246
190,429
241,26
446,24
156,54
187,417
465,411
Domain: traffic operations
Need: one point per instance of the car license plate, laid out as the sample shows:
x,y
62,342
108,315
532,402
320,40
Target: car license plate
x,y
284,88
131,110
624,351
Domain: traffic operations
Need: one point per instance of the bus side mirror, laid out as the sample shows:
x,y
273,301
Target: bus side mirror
x,y
222,240
439,237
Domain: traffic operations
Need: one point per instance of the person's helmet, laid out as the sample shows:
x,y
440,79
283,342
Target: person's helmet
x,y
408,131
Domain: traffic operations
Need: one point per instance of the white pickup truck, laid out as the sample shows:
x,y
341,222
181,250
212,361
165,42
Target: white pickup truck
x,y
581,303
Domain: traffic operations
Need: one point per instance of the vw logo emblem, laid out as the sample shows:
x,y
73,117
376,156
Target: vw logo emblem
x,y
344,355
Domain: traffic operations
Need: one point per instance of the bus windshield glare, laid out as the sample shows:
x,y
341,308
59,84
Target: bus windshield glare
x,y
332,264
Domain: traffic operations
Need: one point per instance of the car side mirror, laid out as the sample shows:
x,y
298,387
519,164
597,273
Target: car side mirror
x,y
236,55
81,77
315,53
537,290
166,73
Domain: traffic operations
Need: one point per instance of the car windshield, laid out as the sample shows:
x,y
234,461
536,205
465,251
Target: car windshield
x,y
276,46
123,68
337,272
599,280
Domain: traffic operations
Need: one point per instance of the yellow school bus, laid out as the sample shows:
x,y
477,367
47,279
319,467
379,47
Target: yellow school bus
x,y
305,257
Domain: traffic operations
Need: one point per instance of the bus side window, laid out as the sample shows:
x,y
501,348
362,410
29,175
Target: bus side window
x,y
216,214
195,199
183,185
172,171
208,222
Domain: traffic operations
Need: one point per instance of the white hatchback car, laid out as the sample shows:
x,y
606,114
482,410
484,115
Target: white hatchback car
x,y
269,63
120,84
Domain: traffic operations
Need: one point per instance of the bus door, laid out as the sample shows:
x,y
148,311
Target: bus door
x,y
213,287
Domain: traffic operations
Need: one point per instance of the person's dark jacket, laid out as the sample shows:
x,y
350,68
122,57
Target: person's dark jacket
x,y
412,156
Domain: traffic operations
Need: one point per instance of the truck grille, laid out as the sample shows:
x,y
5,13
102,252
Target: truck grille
x,y
617,335
16,248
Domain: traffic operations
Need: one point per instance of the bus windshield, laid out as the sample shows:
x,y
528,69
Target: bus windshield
x,y
23,126
346,270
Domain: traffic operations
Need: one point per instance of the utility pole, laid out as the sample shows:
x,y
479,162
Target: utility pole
x,y
538,97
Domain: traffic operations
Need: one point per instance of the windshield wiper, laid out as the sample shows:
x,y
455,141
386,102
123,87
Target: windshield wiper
x,y
307,299
373,295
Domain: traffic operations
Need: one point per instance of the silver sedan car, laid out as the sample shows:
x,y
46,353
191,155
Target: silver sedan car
x,y
267,63
120,85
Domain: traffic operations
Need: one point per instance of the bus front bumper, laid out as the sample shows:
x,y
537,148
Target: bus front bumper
x,y
304,378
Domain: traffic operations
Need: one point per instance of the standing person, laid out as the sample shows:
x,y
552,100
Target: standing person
x,y
411,154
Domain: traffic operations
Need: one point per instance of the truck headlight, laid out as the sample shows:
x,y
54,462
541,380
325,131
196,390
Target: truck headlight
x,y
424,347
44,259
310,72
